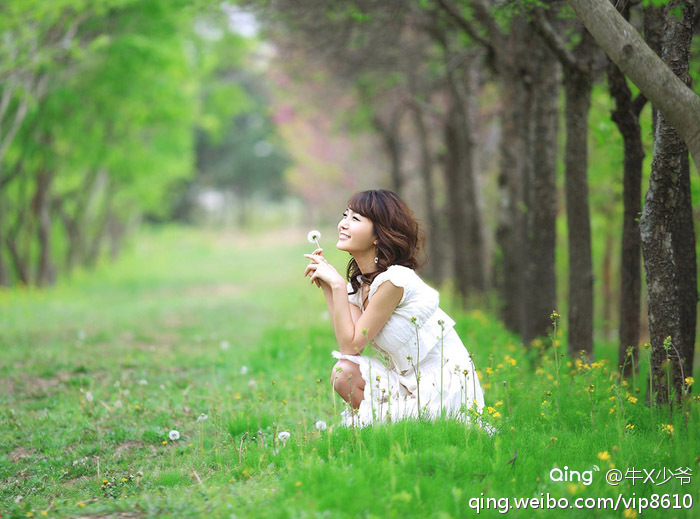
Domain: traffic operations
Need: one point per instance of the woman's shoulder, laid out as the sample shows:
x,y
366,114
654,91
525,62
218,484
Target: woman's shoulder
x,y
399,275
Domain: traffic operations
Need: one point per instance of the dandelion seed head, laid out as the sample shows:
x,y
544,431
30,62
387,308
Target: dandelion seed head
x,y
283,436
321,425
202,417
314,236
244,370
143,382
174,435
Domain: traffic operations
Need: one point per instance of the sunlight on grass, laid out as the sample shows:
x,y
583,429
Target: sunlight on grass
x,y
220,338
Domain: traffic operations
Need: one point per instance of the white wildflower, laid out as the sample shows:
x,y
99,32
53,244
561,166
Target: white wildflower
x,y
202,417
143,382
244,370
224,345
174,435
88,396
313,237
284,436
252,383
321,425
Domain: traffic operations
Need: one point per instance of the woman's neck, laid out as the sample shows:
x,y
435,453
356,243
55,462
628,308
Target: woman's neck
x,y
365,263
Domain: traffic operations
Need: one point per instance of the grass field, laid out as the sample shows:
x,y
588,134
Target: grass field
x,y
219,337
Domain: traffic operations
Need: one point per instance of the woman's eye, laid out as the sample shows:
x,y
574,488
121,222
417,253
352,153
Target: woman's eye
x,y
356,218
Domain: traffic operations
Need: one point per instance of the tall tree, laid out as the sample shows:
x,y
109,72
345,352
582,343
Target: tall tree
x,y
668,238
578,85
626,47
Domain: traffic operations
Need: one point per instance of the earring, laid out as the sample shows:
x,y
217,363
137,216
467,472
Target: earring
x,y
376,259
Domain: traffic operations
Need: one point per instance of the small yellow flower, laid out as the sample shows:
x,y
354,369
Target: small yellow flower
x,y
612,397
496,414
632,399
29,514
667,428
500,402
123,479
165,442
44,512
104,481
80,503
629,426
491,409
629,513
297,484
689,381
553,439
604,456
489,371
510,360
612,410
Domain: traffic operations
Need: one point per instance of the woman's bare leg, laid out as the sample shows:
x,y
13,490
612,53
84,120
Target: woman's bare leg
x,y
348,382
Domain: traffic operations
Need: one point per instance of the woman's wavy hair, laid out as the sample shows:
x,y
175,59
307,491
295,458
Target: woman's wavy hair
x,y
398,236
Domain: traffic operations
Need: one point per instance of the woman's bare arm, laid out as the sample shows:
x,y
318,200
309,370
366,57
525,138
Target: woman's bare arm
x,y
348,331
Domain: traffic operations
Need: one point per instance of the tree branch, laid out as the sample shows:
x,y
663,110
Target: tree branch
x,y
464,23
626,47
554,40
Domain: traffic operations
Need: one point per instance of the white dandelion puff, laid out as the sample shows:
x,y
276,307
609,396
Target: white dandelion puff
x,y
143,382
283,436
202,417
321,425
88,396
224,345
174,435
244,370
252,383
313,237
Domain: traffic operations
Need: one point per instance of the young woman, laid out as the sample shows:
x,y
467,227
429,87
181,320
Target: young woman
x,y
421,366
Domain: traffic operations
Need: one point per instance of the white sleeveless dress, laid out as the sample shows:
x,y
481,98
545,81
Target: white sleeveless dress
x,y
416,361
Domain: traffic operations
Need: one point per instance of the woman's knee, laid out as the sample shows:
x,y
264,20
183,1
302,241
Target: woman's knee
x,y
343,371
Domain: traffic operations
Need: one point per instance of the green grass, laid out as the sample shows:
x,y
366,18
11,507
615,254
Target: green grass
x,y
97,371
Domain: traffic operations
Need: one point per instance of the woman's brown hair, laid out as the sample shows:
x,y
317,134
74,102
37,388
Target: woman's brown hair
x,y
398,235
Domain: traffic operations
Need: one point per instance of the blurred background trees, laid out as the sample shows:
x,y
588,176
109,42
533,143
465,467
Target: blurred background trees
x,y
522,147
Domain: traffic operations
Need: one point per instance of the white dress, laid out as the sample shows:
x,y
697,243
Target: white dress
x,y
417,360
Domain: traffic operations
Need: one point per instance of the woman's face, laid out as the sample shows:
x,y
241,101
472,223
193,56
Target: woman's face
x,y
355,233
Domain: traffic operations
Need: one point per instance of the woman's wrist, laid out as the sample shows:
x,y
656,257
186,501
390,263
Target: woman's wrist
x,y
339,284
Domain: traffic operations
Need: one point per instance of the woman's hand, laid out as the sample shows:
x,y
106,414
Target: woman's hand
x,y
321,271
318,252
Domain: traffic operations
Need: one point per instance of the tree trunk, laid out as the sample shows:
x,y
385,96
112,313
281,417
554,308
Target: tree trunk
x,y
578,86
4,274
539,299
93,253
392,145
476,259
46,272
668,238
510,229
679,104
626,117
435,247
